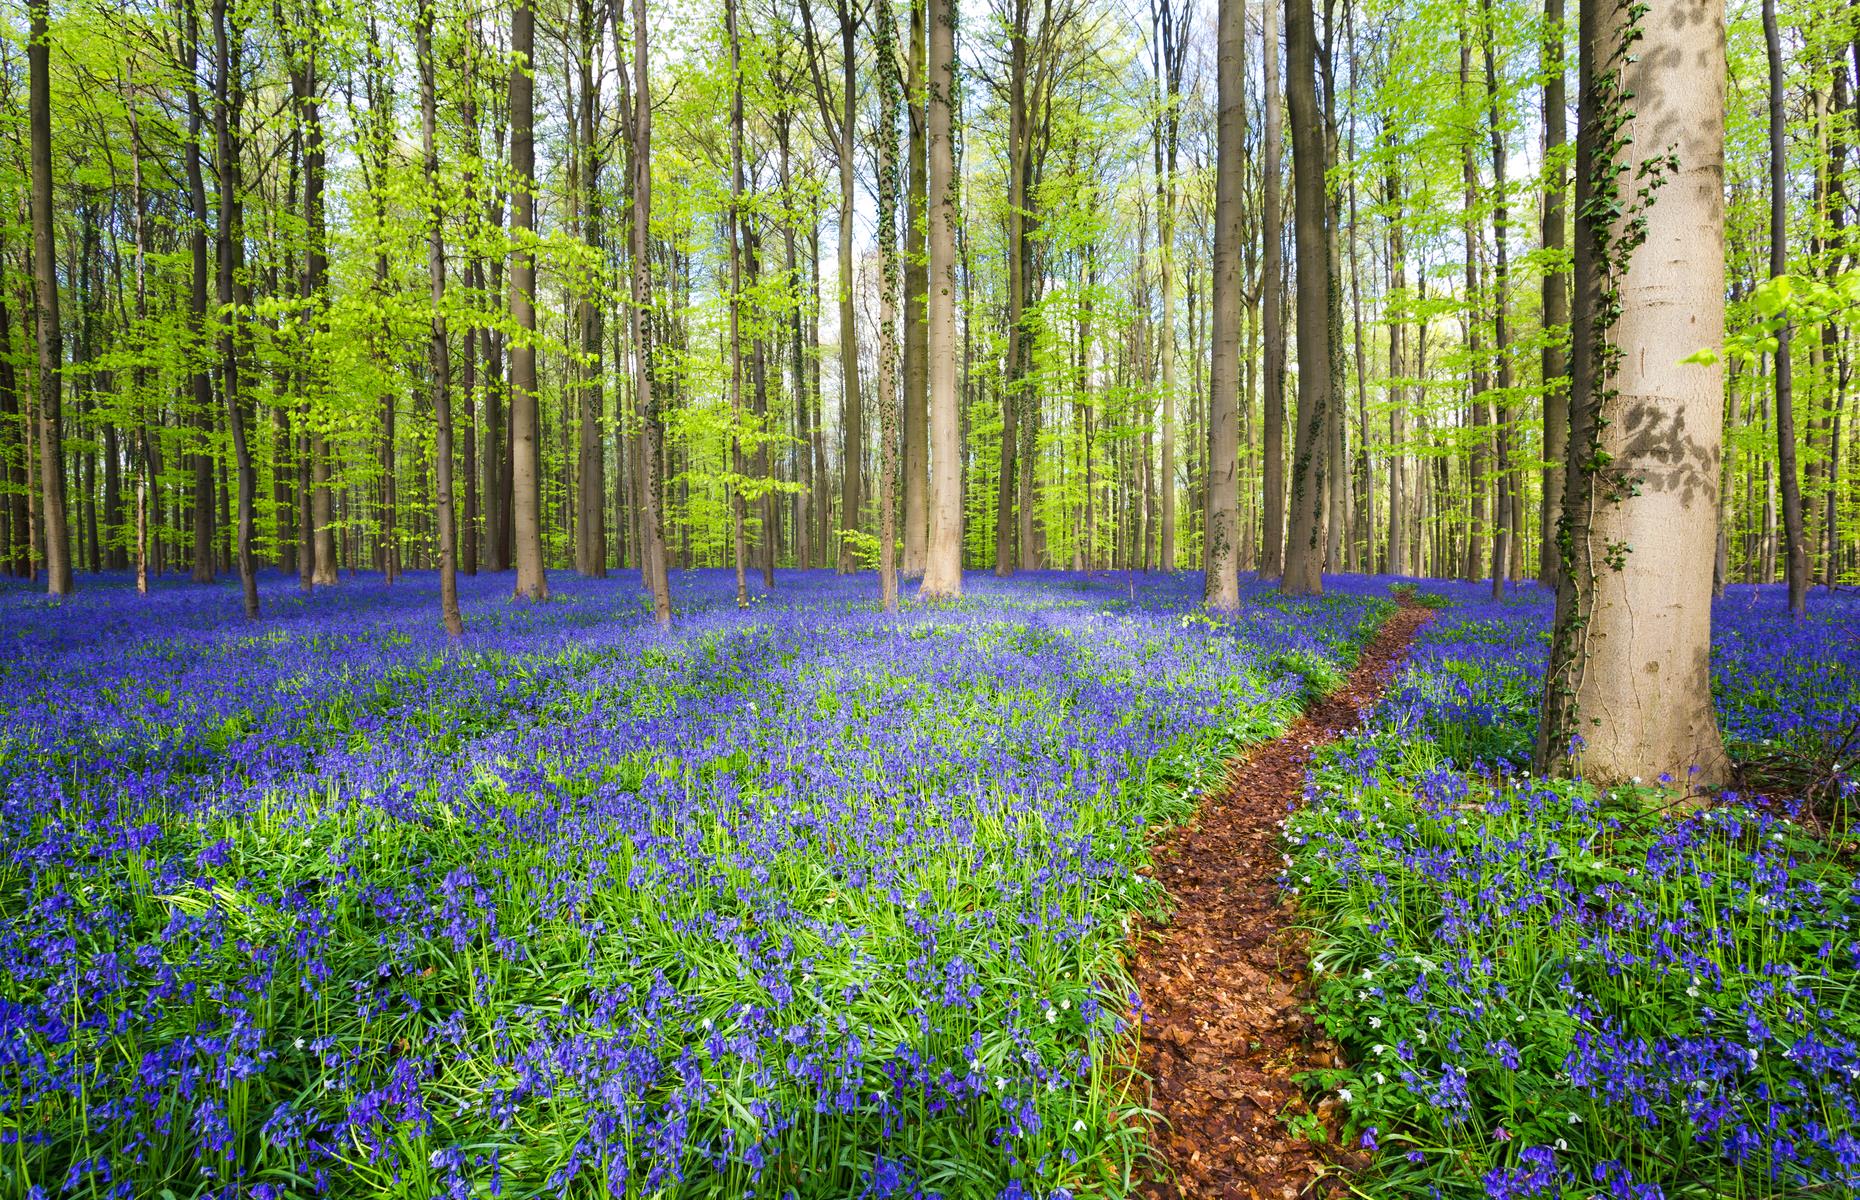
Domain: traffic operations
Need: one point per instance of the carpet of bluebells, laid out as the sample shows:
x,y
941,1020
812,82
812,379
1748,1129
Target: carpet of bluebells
x,y
1551,991
798,900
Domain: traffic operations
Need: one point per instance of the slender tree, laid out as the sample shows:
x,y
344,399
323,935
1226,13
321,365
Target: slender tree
x,y
647,449
943,562
1305,543
732,223
1555,354
885,47
58,580
1272,304
1795,539
440,350
1222,587
591,461
228,100
526,501
916,421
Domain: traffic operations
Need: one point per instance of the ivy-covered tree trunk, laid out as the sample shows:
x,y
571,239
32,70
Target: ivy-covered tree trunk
x,y
1627,693
885,47
228,100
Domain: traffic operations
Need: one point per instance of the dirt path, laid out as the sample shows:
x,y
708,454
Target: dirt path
x,y
1224,981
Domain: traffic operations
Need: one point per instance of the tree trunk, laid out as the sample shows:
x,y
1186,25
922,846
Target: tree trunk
x,y
885,45
1501,349
1555,355
1013,392
809,494
1795,547
1628,691
1305,545
943,559
319,548
58,580
1398,563
441,349
1221,589
732,226
639,126
197,306
525,481
1272,302
228,100
759,390
591,507
852,418
916,282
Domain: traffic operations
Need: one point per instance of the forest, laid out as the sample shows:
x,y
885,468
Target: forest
x,y
1016,600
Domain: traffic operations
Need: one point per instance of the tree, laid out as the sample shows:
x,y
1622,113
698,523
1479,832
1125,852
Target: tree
x,y
1305,544
228,99
591,464
1169,50
197,303
916,285
732,222
1272,304
943,561
839,125
1222,587
526,515
58,579
647,447
1628,690
440,351
885,47
1555,292
1795,539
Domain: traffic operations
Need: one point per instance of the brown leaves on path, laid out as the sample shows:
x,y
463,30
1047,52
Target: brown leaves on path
x,y
1224,982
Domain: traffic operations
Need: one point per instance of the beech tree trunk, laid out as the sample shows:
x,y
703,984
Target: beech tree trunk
x,y
1555,355
886,51
591,478
732,230
1628,690
201,378
1305,545
1795,543
1221,589
58,580
1501,349
646,452
228,99
440,350
1272,302
916,282
526,515
943,559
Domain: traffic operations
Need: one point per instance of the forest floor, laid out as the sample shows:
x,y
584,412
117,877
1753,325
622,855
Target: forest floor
x,y
1224,981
